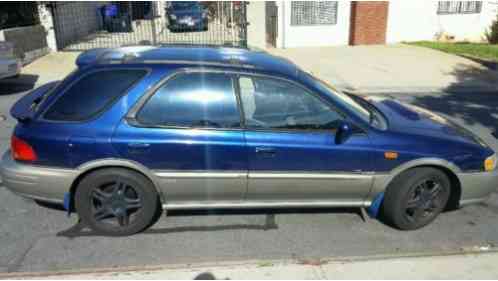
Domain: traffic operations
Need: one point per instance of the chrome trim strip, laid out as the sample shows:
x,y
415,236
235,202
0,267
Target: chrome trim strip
x,y
263,175
262,204
298,175
193,174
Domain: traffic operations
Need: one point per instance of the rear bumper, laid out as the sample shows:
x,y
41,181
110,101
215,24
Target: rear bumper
x,y
10,68
176,25
41,183
476,187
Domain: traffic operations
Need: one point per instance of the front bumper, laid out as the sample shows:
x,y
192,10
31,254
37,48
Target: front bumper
x,y
477,186
41,183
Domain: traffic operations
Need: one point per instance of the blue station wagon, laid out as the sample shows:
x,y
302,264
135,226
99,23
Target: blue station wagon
x,y
137,130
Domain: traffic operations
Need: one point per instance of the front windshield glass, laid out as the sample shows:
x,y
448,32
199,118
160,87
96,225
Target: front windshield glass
x,y
184,5
339,97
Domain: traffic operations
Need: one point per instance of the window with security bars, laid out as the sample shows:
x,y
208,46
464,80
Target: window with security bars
x,y
459,7
313,12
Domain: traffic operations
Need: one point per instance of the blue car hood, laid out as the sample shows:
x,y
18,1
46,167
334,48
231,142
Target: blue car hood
x,y
412,119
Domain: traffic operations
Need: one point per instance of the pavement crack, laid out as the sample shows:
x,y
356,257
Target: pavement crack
x,y
17,263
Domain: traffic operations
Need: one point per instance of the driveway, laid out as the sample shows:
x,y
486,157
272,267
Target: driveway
x,y
143,32
392,68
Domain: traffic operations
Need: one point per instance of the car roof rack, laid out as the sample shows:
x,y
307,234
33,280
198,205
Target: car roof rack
x,y
216,55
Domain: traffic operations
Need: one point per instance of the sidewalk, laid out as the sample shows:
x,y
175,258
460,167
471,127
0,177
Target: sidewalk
x,y
468,266
392,68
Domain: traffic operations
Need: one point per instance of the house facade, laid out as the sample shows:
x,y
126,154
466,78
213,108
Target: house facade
x,y
332,23
60,26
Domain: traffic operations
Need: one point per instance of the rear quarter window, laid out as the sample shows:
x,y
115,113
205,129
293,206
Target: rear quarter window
x,y
92,94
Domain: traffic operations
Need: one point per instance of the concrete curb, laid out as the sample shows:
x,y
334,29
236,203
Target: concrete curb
x,y
477,250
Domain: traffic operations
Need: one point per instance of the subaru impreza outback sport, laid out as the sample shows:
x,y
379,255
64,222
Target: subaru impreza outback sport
x,y
135,130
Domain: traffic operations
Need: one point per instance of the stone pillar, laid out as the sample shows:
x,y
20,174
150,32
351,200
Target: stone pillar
x,y
256,30
47,22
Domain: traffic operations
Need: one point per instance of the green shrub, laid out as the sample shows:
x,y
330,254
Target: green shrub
x,y
492,33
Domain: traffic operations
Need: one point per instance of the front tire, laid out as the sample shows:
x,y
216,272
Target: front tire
x,y
416,197
116,201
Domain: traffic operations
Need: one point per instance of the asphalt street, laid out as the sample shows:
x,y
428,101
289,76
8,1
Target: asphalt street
x,y
34,237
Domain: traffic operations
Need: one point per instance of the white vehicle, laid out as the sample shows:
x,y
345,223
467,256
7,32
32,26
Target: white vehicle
x,y
9,64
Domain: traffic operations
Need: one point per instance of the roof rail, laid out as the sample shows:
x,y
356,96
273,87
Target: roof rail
x,y
215,46
135,54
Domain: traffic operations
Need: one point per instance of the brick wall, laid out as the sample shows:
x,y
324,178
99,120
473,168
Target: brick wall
x,y
368,22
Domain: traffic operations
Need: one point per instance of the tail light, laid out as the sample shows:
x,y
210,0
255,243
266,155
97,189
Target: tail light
x,y
21,150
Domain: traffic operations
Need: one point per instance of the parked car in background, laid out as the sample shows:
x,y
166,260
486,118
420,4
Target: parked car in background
x,y
187,16
203,128
9,65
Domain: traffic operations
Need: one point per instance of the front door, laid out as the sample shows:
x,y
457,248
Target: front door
x,y
189,134
291,144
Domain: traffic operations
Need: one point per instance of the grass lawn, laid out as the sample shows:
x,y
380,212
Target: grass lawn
x,y
478,50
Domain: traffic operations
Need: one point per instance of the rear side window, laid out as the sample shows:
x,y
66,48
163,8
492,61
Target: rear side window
x,y
193,100
92,94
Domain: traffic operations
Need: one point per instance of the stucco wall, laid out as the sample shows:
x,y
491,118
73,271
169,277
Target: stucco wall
x,y
257,28
418,20
317,35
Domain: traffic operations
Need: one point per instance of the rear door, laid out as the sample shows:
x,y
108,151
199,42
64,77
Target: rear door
x,y
189,133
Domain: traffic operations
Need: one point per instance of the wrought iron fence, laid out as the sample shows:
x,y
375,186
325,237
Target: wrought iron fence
x,y
87,25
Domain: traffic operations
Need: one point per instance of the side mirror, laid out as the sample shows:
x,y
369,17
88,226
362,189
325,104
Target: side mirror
x,y
344,132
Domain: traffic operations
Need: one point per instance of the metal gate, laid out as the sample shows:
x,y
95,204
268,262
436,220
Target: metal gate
x,y
87,25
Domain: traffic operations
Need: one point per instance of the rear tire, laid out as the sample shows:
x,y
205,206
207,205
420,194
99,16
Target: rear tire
x,y
116,201
416,197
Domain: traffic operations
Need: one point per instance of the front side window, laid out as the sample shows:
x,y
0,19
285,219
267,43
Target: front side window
x,y
459,7
90,95
276,104
193,100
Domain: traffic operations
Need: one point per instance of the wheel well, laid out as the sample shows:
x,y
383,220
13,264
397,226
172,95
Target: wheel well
x,y
456,189
78,179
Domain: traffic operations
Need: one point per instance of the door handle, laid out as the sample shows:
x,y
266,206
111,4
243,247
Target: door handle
x,y
266,150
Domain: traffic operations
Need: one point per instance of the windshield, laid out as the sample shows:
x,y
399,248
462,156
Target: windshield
x,y
184,5
339,97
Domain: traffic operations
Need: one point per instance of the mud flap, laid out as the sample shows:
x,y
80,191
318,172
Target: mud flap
x,y
67,203
373,210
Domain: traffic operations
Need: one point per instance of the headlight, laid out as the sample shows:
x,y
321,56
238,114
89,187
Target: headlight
x,y
173,17
490,163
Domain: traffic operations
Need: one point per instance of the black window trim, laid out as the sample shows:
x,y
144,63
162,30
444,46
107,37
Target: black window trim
x,y
99,113
130,117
